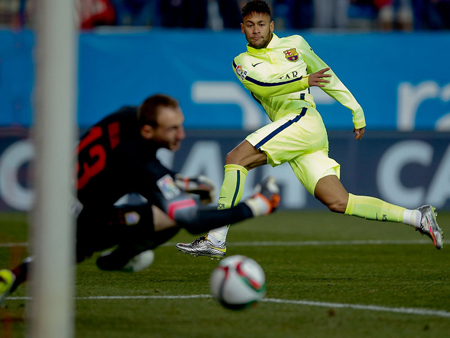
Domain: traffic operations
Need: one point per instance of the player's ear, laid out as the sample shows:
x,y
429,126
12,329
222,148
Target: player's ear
x,y
242,28
147,131
272,26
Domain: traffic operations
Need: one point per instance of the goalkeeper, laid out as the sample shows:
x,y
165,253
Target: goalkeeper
x,y
116,157
278,73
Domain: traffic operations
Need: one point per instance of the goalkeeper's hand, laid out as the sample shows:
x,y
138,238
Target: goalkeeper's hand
x,y
200,185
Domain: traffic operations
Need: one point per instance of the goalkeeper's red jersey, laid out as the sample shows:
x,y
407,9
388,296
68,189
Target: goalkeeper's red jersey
x,y
114,160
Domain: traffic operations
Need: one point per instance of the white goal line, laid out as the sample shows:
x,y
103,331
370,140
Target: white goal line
x,y
413,311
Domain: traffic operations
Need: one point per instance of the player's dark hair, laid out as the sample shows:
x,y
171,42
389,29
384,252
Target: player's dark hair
x,y
257,6
148,110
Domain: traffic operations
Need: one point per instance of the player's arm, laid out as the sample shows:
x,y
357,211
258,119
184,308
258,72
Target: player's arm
x,y
182,208
158,185
335,88
359,133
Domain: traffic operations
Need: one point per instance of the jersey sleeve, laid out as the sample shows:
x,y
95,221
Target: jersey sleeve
x,y
266,85
336,89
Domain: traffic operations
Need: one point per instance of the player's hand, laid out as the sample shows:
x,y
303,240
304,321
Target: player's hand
x,y
319,78
201,186
358,133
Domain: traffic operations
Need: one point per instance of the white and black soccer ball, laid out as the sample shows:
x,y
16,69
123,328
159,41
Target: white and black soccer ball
x,y
238,282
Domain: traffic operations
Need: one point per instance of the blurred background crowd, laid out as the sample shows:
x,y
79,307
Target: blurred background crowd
x,y
356,15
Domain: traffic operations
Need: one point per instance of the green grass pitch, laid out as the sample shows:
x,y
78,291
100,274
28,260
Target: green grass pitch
x,y
365,279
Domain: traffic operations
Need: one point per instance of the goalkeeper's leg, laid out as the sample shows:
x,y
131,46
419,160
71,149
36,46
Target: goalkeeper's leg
x,y
142,228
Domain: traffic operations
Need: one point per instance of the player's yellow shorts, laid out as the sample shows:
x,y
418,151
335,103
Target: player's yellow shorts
x,y
302,141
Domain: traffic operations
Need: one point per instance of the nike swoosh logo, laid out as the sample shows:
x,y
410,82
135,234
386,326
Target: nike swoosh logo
x,y
254,65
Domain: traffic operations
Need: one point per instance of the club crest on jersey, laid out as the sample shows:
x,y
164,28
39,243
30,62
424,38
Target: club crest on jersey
x,y
241,72
168,187
291,54
132,218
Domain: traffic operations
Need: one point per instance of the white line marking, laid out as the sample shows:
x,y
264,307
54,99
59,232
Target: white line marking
x,y
144,297
125,297
424,312
299,243
413,311
10,245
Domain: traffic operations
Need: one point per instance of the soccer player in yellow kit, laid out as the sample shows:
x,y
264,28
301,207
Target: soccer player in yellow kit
x,y
275,71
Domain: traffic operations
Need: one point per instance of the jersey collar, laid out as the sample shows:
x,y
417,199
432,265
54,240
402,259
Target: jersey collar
x,y
272,44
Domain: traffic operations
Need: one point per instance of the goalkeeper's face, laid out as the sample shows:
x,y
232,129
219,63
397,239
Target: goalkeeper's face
x,y
258,29
169,131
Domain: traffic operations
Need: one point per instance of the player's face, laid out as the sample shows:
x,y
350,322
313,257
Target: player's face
x,y
258,29
169,132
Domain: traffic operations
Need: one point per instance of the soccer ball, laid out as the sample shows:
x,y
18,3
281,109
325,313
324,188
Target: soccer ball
x,y
238,282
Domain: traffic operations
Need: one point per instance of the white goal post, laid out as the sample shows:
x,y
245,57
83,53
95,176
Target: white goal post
x,y
51,308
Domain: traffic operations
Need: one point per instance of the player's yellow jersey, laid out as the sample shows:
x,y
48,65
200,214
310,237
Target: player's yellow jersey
x,y
277,77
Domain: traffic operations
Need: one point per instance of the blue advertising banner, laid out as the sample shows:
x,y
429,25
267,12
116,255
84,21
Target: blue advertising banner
x,y
16,77
408,169
402,80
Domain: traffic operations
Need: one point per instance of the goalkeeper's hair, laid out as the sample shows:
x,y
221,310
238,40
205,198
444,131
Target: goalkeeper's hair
x,y
148,110
257,6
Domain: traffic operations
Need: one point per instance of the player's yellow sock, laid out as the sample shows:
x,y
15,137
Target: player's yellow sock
x,y
232,186
373,209
230,195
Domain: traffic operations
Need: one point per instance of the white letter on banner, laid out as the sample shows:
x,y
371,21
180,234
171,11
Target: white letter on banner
x,y
215,92
443,124
439,190
409,100
12,192
389,169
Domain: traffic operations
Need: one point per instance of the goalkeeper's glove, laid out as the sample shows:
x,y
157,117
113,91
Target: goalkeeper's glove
x,y
200,185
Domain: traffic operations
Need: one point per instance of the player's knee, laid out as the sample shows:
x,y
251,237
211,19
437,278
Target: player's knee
x,y
233,158
249,160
